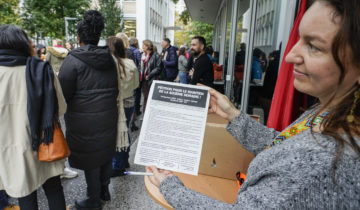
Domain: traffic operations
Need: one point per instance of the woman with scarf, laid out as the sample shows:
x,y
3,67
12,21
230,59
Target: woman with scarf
x,y
128,81
31,102
150,68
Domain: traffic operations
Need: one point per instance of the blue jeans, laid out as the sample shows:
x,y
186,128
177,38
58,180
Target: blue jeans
x,y
3,199
121,159
183,77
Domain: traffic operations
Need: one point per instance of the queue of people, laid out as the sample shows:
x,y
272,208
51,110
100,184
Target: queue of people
x,y
96,89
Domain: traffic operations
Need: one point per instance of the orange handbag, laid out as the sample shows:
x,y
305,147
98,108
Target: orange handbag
x,y
56,150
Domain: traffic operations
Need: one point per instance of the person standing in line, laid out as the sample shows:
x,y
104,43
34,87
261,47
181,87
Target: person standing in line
x,y
56,54
169,60
182,63
134,46
128,78
69,46
150,68
41,51
202,71
88,78
25,115
209,52
129,52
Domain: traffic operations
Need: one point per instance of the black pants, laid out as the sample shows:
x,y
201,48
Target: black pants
x,y
98,178
137,99
54,193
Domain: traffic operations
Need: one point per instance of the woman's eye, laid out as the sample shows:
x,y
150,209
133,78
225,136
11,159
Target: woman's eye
x,y
313,48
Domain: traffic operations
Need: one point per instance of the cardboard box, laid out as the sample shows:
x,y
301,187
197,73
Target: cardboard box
x,y
222,156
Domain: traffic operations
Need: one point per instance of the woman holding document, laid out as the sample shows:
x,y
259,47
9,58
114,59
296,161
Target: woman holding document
x,y
314,163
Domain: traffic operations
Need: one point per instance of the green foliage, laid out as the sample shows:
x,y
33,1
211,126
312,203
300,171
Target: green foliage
x,y
191,28
9,12
46,17
181,37
175,1
185,16
202,29
113,17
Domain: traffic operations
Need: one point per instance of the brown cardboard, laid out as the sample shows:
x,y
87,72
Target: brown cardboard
x,y
222,156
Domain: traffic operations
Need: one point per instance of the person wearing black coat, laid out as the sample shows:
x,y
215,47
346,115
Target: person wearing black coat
x,y
202,71
150,68
88,78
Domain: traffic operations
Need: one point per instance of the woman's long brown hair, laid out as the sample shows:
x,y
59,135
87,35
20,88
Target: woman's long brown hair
x,y
336,124
117,48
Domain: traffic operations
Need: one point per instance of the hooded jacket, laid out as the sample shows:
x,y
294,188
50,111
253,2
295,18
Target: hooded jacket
x,y
88,78
55,56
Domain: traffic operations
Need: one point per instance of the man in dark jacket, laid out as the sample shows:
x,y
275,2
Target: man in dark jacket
x,y
88,79
202,71
170,60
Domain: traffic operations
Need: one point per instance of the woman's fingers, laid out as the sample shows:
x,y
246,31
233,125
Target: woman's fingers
x,y
153,179
159,175
154,170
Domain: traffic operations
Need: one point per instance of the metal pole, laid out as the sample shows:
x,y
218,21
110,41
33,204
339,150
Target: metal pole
x,y
66,30
223,35
232,48
67,26
248,58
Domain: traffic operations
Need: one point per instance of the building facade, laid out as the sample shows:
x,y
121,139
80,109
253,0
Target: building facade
x,y
152,19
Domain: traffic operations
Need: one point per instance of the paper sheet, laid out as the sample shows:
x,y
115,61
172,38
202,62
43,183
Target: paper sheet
x,y
173,127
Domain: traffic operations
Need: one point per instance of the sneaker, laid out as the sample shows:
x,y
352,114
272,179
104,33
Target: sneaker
x,y
68,174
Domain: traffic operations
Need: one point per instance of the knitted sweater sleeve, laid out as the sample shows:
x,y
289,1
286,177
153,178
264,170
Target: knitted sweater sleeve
x,y
252,135
180,197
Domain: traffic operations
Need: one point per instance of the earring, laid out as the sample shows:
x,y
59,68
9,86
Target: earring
x,y
350,118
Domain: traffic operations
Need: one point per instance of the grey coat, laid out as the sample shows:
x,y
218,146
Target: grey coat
x,y
182,63
295,174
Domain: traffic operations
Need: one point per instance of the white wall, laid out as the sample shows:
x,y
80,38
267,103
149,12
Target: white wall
x,y
153,31
286,20
171,21
141,20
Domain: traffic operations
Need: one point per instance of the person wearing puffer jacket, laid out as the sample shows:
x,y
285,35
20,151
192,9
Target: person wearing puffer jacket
x,y
55,55
88,79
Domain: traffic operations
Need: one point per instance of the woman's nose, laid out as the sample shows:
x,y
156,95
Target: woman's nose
x,y
294,56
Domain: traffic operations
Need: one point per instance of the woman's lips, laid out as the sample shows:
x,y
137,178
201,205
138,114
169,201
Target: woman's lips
x,y
298,73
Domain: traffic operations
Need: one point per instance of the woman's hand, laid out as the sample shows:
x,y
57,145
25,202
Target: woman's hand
x,y
147,78
159,175
221,105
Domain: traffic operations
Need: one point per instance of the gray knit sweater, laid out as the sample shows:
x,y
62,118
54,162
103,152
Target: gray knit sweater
x,y
296,174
